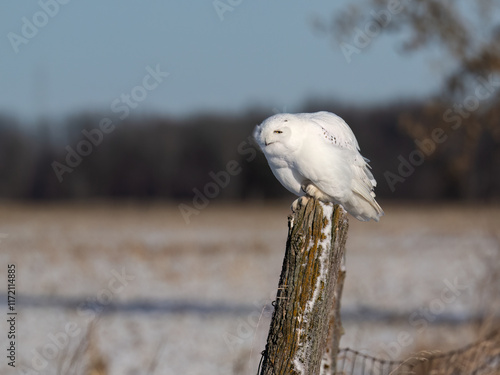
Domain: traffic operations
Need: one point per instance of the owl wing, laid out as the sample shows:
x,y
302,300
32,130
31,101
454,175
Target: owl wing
x,y
335,131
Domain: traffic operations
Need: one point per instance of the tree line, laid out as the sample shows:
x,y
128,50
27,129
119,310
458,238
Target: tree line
x,y
90,156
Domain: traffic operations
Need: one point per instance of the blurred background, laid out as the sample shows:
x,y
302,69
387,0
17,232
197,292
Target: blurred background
x,y
138,210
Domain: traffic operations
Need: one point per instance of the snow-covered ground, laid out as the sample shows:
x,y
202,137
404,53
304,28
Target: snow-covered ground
x,y
167,297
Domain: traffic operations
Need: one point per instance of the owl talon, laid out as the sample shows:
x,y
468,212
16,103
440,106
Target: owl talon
x,y
313,191
299,203
309,189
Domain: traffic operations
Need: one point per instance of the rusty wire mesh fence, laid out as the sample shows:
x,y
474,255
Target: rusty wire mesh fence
x,y
479,358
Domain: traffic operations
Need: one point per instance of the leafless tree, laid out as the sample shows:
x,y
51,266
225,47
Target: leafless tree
x,y
466,35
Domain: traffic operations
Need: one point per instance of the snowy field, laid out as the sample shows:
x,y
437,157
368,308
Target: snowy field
x,y
166,297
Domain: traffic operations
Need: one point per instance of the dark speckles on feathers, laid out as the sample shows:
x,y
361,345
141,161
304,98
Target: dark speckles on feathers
x,y
332,138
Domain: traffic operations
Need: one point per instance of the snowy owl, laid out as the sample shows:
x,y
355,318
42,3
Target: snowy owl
x,y
317,154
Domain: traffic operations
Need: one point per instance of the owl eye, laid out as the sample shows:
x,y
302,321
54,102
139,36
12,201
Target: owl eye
x,y
278,131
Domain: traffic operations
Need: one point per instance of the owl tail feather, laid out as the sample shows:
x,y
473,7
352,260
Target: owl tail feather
x,y
363,207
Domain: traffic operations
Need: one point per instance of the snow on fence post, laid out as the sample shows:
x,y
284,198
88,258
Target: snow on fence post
x,y
306,328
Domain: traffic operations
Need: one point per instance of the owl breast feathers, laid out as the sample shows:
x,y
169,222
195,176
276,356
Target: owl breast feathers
x,y
317,154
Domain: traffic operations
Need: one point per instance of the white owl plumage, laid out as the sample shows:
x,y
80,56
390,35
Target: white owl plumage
x,y
317,154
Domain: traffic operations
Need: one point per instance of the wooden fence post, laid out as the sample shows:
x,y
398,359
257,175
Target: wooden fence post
x,y
306,328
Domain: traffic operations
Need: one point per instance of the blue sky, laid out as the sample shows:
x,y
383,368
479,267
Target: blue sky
x,y
263,53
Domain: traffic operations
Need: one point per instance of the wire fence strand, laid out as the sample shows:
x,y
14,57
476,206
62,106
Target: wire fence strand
x,y
479,358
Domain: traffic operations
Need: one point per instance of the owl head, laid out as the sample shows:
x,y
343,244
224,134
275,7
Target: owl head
x,y
276,134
